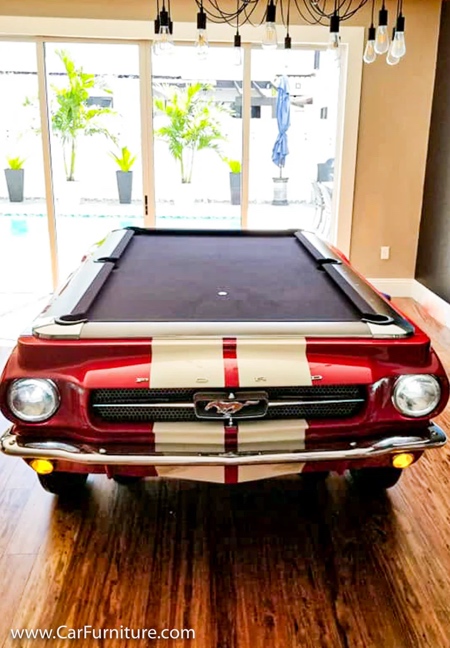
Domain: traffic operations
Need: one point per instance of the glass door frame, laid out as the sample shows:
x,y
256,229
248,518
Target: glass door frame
x,y
137,33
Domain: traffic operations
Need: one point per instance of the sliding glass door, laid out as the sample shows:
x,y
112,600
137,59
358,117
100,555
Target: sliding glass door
x,y
25,269
197,138
94,117
292,142
136,138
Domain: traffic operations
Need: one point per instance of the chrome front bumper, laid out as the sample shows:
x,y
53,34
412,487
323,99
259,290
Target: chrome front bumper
x,y
432,437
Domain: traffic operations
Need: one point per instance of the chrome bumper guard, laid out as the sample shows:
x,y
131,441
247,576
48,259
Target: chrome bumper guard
x,y
432,437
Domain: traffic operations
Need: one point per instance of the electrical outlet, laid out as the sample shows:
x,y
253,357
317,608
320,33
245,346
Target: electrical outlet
x,y
385,252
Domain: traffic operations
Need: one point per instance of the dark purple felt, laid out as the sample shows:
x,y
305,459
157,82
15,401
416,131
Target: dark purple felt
x,y
178,277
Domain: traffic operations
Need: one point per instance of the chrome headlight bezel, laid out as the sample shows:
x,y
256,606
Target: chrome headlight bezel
x,y
402,383
48,385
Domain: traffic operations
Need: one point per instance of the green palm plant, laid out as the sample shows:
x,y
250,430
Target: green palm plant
x,y
192,124
71,115
15,163
234,165
124,159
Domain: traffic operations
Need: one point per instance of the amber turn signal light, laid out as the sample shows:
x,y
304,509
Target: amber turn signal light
x,y
42,466
403,460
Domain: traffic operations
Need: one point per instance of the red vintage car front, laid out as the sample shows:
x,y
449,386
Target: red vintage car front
x,y
195,402
364,406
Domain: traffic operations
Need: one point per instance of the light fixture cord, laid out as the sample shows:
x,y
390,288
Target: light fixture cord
x,y
312,12
373,11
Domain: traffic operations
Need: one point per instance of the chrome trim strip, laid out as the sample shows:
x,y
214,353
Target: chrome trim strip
x,y
192,405
317,402
146,405
49,328
432,437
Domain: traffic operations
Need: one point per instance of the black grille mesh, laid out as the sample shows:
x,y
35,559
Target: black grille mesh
x,y
104,398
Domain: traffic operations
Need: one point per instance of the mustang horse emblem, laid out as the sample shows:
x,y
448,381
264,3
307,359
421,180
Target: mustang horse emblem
x,y
227,408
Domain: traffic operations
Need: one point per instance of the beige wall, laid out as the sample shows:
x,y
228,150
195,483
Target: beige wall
x,y
392,148
394,125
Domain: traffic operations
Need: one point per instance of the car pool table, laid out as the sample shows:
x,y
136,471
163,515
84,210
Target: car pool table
x,y
223,356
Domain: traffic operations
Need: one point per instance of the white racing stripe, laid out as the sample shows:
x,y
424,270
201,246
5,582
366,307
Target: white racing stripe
x,y
272,435
214,474
204,436
272,362
199,363
187,363
267,471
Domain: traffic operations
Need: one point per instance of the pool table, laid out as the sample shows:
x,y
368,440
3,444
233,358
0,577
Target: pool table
x,y
222,356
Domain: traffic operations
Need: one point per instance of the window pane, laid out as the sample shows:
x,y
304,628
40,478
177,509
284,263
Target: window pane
x,y
297,194
197,138
24,248
94,115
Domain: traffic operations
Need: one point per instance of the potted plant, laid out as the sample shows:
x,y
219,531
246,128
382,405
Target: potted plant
x,y
14,175
71,115
192,124
124,174
235,180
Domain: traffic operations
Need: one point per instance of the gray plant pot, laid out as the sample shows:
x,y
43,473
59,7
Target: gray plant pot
x,y
14,182
280,191
235,188
124,185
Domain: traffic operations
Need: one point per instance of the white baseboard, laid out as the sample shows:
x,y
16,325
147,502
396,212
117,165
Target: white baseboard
x,y
435,306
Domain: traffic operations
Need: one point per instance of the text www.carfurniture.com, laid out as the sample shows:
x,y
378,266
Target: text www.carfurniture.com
x,y
90,632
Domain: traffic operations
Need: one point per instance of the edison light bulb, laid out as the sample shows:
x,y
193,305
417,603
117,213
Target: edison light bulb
x,y
382,37
369,53
165,40
390,59
270,39
398,47
163,43
237,49
202,44
398,43
382,40
202,37
334,41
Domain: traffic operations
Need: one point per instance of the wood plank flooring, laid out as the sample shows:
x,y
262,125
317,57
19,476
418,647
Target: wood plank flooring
x,y
262,565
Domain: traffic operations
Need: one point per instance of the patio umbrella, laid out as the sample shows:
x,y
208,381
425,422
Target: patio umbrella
x,y
283,109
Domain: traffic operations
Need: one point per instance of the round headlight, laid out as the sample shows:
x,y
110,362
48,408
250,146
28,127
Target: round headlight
x,y
33,399
416,395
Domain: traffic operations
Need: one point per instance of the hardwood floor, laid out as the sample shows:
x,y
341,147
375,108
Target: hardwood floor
x,y
266,564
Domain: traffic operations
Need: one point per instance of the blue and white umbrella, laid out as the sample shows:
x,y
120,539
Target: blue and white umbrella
x,y
283,109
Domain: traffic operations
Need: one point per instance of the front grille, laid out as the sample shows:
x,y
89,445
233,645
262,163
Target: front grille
x,y
336,401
